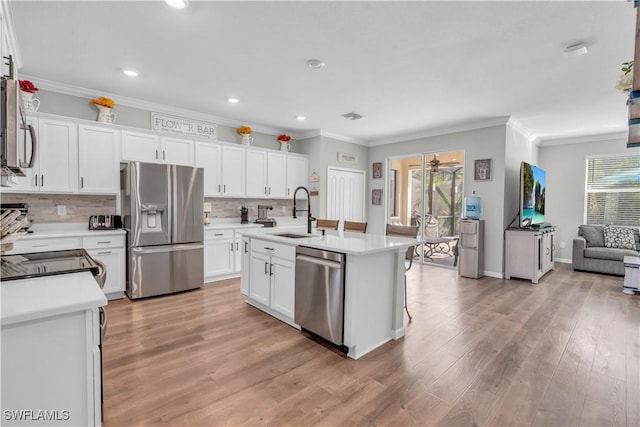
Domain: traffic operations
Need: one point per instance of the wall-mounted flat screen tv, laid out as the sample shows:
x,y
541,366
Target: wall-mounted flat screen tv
x,y
533,186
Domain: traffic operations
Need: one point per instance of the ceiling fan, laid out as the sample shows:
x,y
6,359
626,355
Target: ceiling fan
x,y
435,163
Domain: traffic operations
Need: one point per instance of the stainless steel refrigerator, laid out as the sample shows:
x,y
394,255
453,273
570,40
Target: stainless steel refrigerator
x,y
162,212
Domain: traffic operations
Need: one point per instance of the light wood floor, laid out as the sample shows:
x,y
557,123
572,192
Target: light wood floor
x,y
478,352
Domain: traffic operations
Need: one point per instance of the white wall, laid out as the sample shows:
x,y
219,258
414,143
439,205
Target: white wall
x,y
476,144
518,148
566,167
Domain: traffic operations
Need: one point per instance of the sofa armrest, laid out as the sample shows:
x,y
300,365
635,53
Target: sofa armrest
x,y
579,245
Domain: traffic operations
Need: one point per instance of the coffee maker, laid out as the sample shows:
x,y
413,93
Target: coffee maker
x,y
262,216
244,215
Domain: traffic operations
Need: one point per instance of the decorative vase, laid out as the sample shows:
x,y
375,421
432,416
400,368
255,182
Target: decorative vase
x,y
285,146
29,103
247,139
105,115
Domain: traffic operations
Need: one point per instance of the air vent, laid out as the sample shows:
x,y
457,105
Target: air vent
x,y
352,116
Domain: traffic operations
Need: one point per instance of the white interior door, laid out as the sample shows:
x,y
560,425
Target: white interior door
x,y
345,194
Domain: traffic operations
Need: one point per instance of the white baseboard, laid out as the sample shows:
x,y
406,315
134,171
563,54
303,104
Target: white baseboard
x,y
564,260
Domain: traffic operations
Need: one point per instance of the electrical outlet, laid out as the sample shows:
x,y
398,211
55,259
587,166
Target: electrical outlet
x,y
563,245
62,210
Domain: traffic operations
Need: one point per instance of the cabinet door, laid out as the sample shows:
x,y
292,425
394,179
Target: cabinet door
x,y
233,171
296,173
256,173
57,152
99,159
177,151
260,286
218,257
139,147
237,253
283,286
208,158
27,183
277,175
245,265
113,259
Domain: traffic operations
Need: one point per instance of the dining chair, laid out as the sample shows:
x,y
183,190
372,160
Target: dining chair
x,y
405,231
355,226
327,224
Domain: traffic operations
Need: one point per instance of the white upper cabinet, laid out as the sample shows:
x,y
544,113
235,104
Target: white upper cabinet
x,y
256,173
276,175
208,157
57,152
99,158
176,151
233,179
296,173
139,147
150,148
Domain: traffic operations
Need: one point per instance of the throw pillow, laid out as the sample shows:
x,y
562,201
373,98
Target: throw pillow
x,y
619,237
592,234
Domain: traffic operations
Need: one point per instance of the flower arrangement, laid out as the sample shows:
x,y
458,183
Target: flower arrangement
x,y
284,138
27,86
244,130
625,82
103,101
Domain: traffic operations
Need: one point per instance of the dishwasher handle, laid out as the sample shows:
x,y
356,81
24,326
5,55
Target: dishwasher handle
x,y
320,261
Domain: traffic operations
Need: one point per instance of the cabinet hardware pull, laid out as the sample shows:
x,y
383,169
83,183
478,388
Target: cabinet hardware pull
x,y
218,188
269,249
224,188
265,190
156,154
104,242
270,269
39,246
288,191
82,182
104,253
231,246
245,247
42,180
265,268
163,155
36,180
219,234
237,248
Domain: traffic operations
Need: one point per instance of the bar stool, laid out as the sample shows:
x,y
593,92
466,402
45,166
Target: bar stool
x,y
360,227
405,231
327,224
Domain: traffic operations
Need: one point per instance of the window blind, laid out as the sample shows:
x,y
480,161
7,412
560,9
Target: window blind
x,y
613,190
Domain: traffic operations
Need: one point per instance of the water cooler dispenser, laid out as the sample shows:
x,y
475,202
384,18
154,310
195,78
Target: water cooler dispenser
x,y
471,248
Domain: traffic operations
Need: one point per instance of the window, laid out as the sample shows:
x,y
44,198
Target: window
x,y
613,190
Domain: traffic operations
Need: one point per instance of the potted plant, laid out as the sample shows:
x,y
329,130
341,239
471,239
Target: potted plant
x,y
284,142
27,89
245,132
104,106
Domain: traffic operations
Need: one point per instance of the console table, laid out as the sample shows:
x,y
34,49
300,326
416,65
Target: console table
x,y
528,252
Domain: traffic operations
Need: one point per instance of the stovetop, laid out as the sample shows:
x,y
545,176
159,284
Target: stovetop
x,y
25,266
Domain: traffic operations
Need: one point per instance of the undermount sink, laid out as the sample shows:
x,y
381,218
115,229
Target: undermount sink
x,y
291,235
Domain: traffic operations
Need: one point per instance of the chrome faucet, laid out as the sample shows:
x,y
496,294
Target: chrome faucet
x,y
310,218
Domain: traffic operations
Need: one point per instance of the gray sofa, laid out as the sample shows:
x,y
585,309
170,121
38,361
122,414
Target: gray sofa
x,y
590,253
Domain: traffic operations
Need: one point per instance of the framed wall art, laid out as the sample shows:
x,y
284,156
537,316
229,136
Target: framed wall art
x,y
482,170
376,197
377,170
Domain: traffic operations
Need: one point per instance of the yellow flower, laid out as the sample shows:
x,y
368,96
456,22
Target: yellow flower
x,y
104,102
244,130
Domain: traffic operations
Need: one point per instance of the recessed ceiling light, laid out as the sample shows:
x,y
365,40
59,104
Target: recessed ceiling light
x,y
301,118
177,4
233,100
576,50
131,73
315,64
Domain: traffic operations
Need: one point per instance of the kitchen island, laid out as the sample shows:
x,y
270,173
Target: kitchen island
x,y
373,281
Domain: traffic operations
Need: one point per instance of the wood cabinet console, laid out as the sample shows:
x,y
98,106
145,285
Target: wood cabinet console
x,y
529,253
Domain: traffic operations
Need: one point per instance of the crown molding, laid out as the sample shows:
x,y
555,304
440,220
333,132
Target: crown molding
x,y
517,126
11,33
343,138
155,107
461,127
584,138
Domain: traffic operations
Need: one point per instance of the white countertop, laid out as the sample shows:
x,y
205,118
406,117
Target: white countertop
x,y
344,242
40,297
234,223
72,229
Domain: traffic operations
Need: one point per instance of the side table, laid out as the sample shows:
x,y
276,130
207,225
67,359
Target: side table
x,y
631,275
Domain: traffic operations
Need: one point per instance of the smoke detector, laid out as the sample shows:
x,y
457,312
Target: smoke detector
x,y
352,116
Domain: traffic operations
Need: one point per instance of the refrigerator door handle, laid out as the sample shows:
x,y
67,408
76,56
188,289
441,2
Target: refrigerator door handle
x,y
167,248
173,202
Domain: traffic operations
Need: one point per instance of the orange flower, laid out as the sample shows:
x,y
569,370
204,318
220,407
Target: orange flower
x,y
244,130
104,102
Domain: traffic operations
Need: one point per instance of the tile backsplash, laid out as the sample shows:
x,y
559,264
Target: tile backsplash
x,y
230,208
43,207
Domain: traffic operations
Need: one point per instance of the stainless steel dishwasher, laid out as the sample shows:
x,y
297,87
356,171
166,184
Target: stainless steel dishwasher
x,y
319,307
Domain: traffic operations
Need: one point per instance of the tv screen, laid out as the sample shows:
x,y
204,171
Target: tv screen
x,y
533,185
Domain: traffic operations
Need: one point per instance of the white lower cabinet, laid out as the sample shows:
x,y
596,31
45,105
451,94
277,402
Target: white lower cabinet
x,y
223,254
113,259
272,274
245,275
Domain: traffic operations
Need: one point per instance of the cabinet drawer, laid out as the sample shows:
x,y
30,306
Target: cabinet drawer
x,y
274,249
97,242
43,245
218,234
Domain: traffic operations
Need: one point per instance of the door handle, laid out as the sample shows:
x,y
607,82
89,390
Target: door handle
x,y
42,180
265,267
269,190
218,188
36,180
270,269
224,188
288,191
231,246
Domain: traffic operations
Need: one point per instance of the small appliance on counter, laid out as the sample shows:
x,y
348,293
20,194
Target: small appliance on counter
x,y
244,215
207,213
105,222
262,216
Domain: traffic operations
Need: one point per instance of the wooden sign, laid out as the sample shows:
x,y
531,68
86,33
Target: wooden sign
x,y
166,123
347,158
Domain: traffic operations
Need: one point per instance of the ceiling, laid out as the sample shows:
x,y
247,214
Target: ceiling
x,y
409,68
